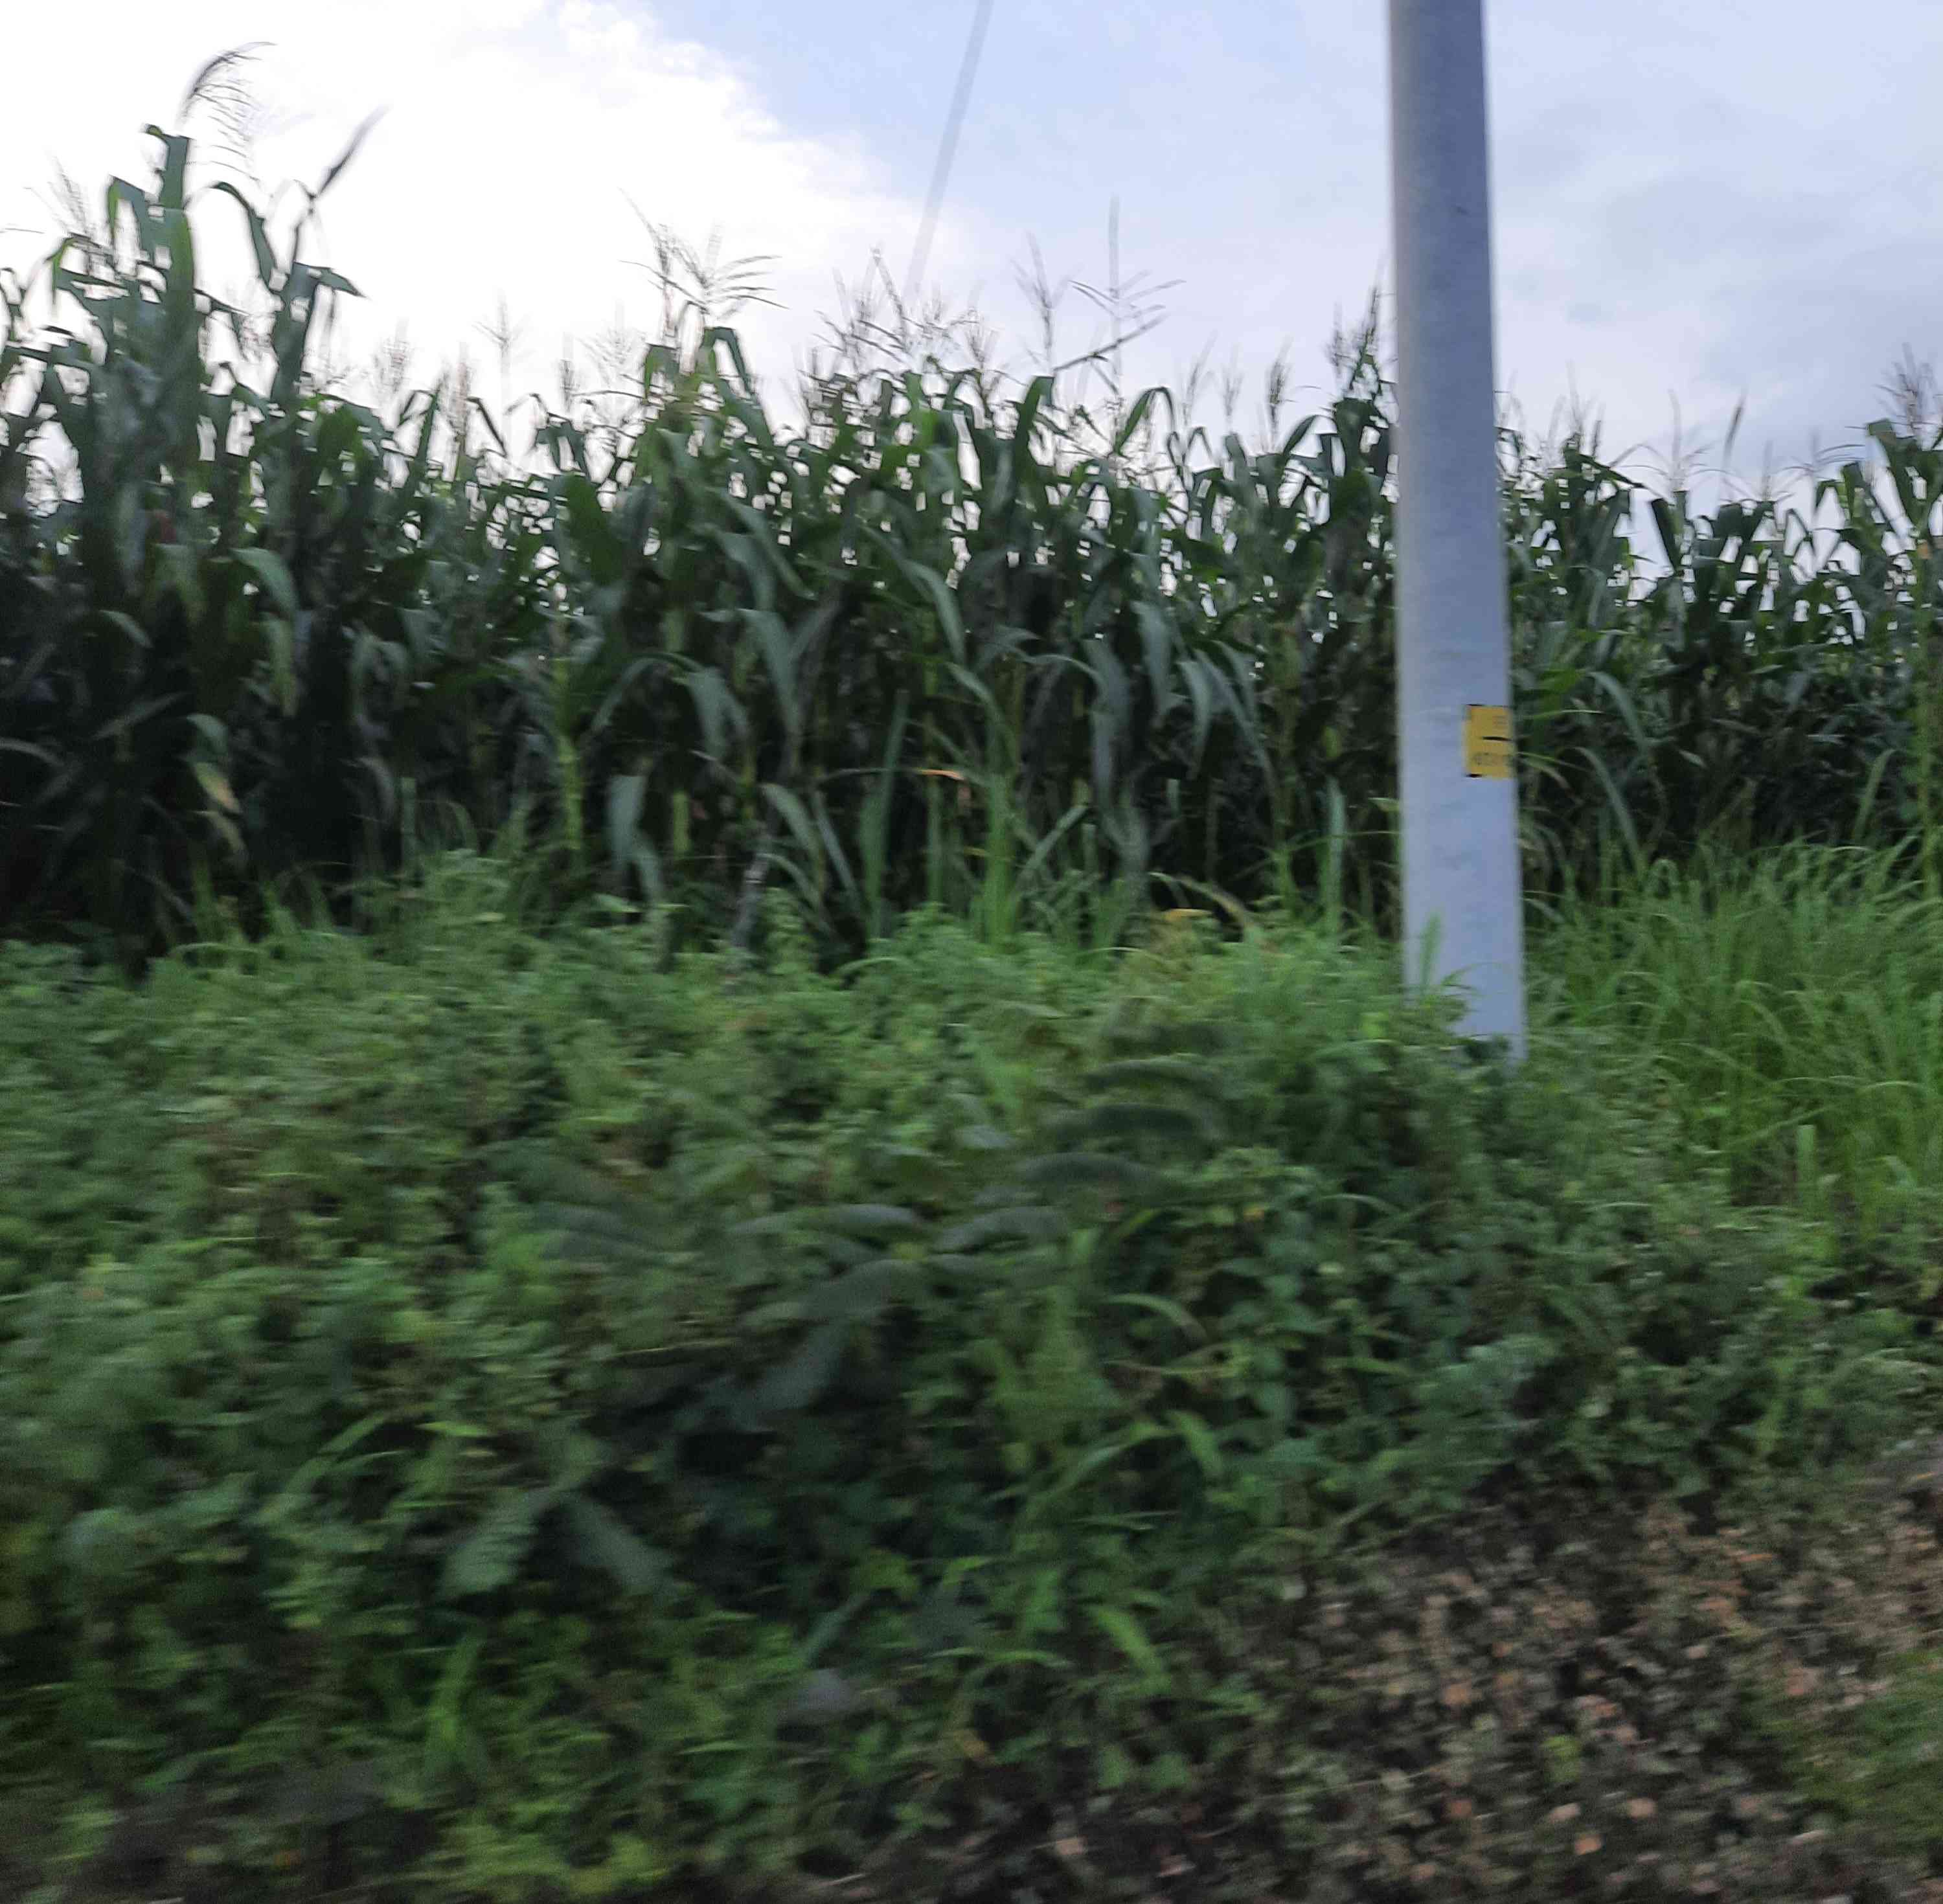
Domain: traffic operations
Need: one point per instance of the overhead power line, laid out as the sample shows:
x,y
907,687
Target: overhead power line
x,y
967,70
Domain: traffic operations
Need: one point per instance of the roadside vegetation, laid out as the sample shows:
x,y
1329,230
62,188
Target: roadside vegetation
x,y
715,1185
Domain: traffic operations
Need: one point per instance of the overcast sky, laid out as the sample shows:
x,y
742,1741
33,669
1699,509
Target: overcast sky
x,y
1699,203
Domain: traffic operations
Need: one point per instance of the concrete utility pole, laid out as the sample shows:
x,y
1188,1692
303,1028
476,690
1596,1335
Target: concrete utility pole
x,y
1456,761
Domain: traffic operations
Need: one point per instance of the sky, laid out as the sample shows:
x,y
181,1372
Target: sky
x,y
1699,206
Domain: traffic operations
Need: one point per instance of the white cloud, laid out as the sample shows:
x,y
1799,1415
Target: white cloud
x,y
515,132
1684,203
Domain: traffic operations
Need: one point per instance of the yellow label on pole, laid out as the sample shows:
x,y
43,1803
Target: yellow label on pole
x,y
1487,742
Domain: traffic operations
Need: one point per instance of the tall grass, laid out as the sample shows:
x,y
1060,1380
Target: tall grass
x,y
946,641
1788,1009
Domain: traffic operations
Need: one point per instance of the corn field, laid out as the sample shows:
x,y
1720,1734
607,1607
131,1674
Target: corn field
x,y
945,641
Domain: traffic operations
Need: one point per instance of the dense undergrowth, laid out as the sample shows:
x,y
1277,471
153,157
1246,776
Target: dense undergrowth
x,y
615,1418
779,1334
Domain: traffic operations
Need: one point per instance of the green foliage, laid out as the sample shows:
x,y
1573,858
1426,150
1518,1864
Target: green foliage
x,y
938,643
1787,1010
559,1412
665,1424
1877,1770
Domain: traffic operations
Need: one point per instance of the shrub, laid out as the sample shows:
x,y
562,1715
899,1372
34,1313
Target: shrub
x,y
693,1418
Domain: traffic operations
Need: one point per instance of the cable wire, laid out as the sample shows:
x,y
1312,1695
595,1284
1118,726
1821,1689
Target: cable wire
x,y
975,47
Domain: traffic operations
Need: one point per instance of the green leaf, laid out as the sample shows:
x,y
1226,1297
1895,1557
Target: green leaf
x,y
773,638
823,1695
864,1294
1201,1442
349,152
626,793
1027,1224
805,1377
1127,1633
1188,1325
1185,1129
718,710
1182,1073
259,237
106,1547
868,1219
933,585
284,663
490,1556
274,578
210,779
605,1541
796,819
1076,1169
1157,639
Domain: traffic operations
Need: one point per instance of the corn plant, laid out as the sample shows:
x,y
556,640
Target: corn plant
x,y
942,638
